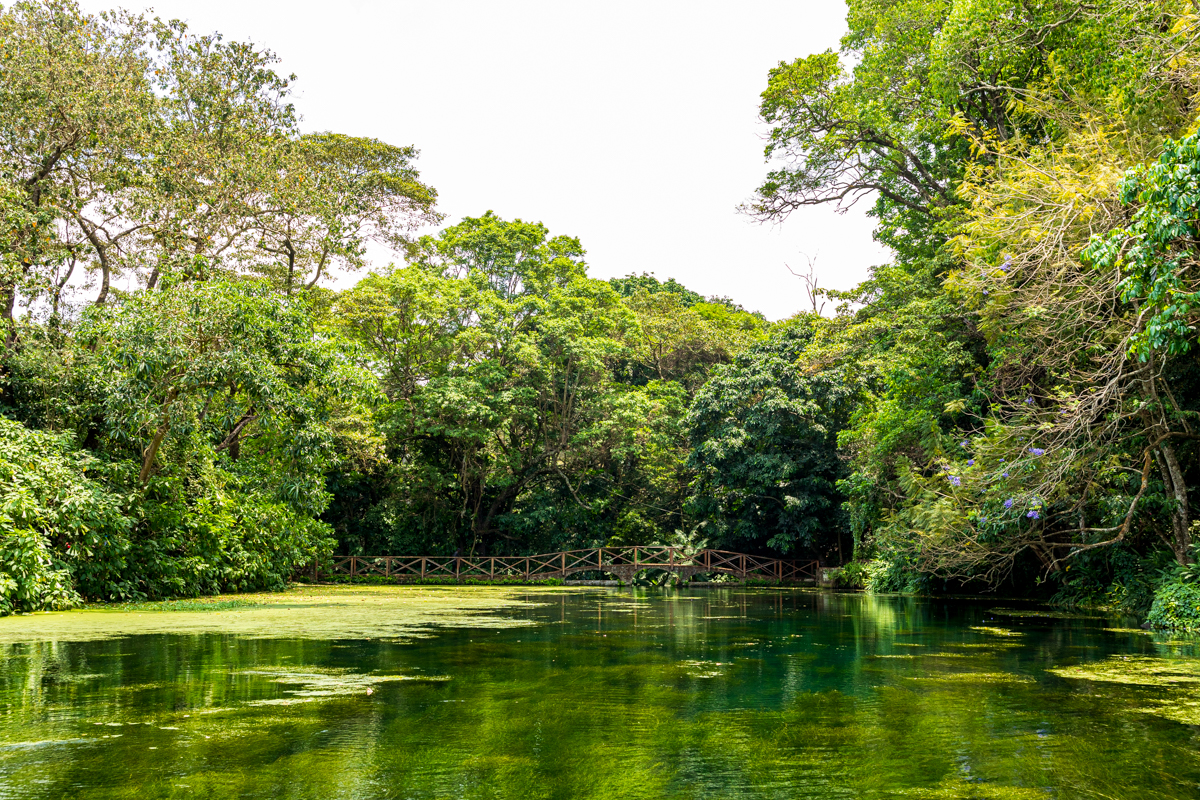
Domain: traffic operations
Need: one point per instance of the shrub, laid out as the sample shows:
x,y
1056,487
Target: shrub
x,y
891,576
851,576
57,525
1117,579
65,534
1176,606
222,541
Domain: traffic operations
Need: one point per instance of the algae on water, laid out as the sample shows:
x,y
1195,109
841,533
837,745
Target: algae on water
x,y
1042,613
1137,671
996,631
1176,681
361,612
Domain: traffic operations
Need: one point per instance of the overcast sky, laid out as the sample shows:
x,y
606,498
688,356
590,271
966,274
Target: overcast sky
x,y
630,125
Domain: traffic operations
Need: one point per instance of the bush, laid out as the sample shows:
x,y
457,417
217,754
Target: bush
x,y
893,577
1176,606
66,534
751,581
851,576
57,525
228,541
1116,579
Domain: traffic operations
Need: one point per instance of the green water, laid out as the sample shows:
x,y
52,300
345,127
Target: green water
x,y
727,693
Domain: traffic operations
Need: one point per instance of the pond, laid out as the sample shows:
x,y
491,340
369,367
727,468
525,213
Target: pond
x,y
426,692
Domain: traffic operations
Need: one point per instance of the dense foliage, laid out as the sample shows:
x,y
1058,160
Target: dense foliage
x,y
187,410
764,446
1011,399
1027,358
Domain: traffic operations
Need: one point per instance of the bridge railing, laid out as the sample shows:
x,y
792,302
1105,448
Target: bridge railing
x,y
625,561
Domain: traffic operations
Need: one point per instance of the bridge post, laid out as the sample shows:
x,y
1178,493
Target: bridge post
x,y
457,566
526,568
422,566
563,568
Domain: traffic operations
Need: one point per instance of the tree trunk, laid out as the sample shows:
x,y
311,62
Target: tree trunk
x,y
10,304
1158,429
1180,515
101,249
151,451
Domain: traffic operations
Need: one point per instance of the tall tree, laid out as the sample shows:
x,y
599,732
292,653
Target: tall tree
x,y
764,445
75,113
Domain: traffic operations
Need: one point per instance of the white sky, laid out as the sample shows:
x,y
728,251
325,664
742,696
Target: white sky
x,y
632,125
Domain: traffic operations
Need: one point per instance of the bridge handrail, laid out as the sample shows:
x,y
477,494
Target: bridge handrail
x,y
546,565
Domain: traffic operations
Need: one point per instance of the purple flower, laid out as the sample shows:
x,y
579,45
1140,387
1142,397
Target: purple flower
x,y
1008,503
1007,265
955,480
970,462
1033,514
1028,401
983,519
1006,475
1003,460
985,292
1037,451
963,443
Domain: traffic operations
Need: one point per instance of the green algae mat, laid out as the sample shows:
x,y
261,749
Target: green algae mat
x,y
476,692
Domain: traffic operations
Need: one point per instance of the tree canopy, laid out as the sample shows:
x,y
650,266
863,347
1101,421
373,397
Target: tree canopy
x,y
1010,400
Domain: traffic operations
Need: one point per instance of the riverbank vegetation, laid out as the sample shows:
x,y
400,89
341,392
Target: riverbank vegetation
x,y
1011,400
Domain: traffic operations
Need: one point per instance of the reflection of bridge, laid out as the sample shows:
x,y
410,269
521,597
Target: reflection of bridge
x,y
623,562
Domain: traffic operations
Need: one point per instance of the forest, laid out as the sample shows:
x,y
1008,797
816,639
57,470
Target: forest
x,y
1011,403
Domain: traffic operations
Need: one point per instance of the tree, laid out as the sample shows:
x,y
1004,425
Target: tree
x,y
681,342
132,147
210,367
497,355
514,260
633,284
838,136
1065,425
764,447
993,134
891,126
76,106
336,194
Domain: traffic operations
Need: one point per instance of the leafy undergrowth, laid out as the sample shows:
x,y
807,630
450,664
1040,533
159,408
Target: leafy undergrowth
x,y
1176,607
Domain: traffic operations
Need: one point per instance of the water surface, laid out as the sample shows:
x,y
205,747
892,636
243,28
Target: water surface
x,y
489,693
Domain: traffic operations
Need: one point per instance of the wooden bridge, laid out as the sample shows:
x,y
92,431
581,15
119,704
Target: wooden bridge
x,y
623,562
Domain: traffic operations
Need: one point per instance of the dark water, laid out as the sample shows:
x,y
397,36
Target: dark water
x,y
709,694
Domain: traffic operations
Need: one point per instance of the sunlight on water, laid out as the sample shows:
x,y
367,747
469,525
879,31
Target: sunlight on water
x,y
490,693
